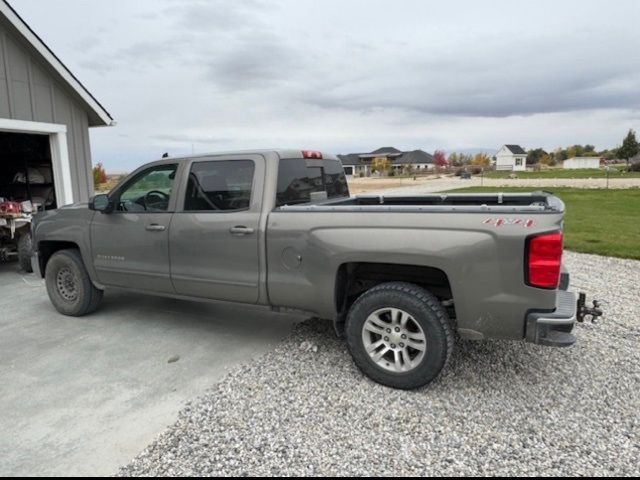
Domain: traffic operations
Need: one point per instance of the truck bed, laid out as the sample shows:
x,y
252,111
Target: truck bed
x,y
540,202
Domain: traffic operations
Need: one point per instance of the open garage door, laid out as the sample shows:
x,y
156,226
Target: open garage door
x,y
26,170
34,176
41,146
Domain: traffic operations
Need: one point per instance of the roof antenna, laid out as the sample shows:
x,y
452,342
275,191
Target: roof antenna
x,y
165,155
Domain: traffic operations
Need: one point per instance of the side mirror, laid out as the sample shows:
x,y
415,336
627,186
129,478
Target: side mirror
x,y
101,203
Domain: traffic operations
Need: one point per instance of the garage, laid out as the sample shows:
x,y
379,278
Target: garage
x,y
45,117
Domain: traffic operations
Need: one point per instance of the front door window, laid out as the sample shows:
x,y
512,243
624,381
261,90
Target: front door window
x,y
150,191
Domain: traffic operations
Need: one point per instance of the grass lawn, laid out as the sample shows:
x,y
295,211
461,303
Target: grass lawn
x,y
561,173
604,222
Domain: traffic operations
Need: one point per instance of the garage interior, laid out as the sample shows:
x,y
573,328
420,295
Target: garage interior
x,y
26,170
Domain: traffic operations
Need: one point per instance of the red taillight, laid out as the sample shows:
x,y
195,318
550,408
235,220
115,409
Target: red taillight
x,y
544,260
311,154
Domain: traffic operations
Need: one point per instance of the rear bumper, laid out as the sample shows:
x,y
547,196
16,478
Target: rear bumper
x,y
554,328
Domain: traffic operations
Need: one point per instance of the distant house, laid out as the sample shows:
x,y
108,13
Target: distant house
x,y
511,157
581,162
361,163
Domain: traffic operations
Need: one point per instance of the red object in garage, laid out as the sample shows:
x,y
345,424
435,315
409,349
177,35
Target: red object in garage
x,y
10,208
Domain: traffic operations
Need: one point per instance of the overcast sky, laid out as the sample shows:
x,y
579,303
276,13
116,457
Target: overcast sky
x,y
347,75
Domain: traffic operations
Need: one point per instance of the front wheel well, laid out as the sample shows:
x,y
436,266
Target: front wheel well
x,y
47,248
353,279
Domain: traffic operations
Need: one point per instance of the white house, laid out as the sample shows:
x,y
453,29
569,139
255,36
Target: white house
x,y
581,162
511,157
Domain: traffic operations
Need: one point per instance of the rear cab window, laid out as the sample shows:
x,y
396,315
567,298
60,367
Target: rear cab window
x,y
308,180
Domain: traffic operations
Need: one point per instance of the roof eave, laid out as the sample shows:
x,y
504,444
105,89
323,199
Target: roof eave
x,y
98,115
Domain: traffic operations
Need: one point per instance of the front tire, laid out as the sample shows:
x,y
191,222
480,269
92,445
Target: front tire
x,y
399,335
69,286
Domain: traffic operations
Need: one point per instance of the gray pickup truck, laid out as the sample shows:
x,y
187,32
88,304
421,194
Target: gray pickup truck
x,y
398,275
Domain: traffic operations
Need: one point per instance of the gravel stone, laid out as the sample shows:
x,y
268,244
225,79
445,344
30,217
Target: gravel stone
x,y
501,408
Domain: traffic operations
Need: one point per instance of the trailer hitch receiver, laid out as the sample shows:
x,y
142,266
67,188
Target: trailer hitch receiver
x,y
583,311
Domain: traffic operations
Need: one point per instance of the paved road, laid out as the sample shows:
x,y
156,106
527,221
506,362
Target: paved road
x,y
85,396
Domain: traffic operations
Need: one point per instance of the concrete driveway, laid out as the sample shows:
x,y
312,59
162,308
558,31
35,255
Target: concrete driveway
x,y
83,396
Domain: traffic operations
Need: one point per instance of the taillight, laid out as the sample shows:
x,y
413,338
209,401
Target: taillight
x,y
544,260
311,154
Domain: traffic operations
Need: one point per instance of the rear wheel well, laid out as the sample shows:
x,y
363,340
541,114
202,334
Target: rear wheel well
x,y
353,279
46,249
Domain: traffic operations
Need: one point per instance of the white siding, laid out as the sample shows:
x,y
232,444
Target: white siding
x,y
28,93
517,163
581,162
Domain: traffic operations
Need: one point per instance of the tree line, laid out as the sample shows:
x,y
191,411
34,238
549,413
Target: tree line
x,y
539,156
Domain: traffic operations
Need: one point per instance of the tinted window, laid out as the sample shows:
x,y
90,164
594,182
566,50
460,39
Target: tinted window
x,y
297,181
219,186
150,191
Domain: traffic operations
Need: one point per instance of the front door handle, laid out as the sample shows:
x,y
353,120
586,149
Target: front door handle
x,y
241,230
154,227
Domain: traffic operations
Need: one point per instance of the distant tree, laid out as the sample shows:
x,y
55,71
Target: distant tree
x,y
548,160
99,175
560,155
574,151
534,156
454,160
630,147
440,159
609,155
481,159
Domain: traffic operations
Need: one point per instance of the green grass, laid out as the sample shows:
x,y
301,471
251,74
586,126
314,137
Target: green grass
x,y
603,222
561,173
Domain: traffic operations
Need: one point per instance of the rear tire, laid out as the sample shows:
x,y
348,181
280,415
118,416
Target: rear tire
x,y
399,335
25,249
69,286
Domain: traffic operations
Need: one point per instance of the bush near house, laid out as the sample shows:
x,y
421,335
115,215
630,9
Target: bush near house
x,y
99,175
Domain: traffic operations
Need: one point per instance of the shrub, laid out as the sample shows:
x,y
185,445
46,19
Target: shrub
x,y
634,167
99,175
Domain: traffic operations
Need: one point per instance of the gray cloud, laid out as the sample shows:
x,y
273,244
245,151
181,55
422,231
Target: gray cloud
x,y
521,78
352,75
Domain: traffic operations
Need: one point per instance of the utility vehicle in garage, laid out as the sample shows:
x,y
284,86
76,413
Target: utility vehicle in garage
x,y
26,186
398,275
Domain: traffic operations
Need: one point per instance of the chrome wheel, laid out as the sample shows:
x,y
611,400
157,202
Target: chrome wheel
x,y
67,284
394,340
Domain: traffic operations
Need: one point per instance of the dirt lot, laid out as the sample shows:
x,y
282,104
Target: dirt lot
x,y
372,184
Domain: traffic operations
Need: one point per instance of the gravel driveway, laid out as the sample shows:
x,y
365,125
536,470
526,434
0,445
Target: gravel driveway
x,y
501,408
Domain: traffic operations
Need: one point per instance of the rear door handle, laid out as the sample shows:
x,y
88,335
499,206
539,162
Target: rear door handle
x,y
240,230
154,227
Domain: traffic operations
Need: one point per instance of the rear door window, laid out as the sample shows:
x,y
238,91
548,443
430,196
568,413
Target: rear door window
x,y
299,179
219,186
